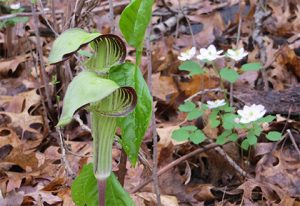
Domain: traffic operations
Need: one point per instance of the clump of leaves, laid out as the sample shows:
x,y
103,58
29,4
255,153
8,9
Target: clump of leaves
x,y
221,114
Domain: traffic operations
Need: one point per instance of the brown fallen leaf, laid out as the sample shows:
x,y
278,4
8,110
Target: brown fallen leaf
x,y
166,200
164,88
12,64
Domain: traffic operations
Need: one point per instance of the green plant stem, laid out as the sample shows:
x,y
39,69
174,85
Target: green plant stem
x,y
221,81
138,56
103,133
101,193
103,130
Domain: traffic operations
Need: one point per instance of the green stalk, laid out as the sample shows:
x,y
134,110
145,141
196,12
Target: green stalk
x,y
103,129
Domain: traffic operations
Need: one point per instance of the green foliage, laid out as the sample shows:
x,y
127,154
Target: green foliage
x,y
251,67
134,21
274,136
68,43
13,21
187,107
191,133
85,88
192,67
229,75
135,125
85,191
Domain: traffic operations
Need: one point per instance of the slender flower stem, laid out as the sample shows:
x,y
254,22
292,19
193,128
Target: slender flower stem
x,y
101,193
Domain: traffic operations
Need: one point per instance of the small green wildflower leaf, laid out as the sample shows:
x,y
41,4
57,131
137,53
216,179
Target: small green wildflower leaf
x,y
252,66
187,107
245,144
221,139
266,119
192,67
189,128
257,129
233,137
252,139
229,75
180,135
196,113
213,118
214,123
274,136
197,137
228,120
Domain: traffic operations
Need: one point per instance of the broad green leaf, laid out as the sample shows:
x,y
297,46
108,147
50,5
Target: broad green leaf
x,y
134,21
274,136
109,50
245,144
69,42
190,128
222,138
233,137
192,67
266,119
85,190
252,139
213,118
196,113
228,120
187,107
180,134
257,129
135,125
252,66
197,137
85,88
229,75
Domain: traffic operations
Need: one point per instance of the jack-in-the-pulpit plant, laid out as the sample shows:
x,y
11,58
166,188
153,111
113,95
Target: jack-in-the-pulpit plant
x,y
220,112
103,88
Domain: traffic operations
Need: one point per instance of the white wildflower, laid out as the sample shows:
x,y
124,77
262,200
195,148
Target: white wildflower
x,y
215,104
188,54
251,113
15,6
209,54
236,55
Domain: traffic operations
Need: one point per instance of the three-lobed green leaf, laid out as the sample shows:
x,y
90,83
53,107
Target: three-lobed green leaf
x,y
274,136
192,67
229,75
252,66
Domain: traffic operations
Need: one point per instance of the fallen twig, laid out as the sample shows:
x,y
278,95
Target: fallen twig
x,y
174,163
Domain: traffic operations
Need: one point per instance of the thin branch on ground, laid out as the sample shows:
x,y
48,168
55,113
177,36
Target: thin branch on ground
x,y
293,140
175,163
43,74
122,168
47,22
81,124
153,125
231,161
258,37
111,16
204,92
64,160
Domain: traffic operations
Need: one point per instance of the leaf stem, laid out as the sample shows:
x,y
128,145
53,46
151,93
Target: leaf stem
x,y
101,192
